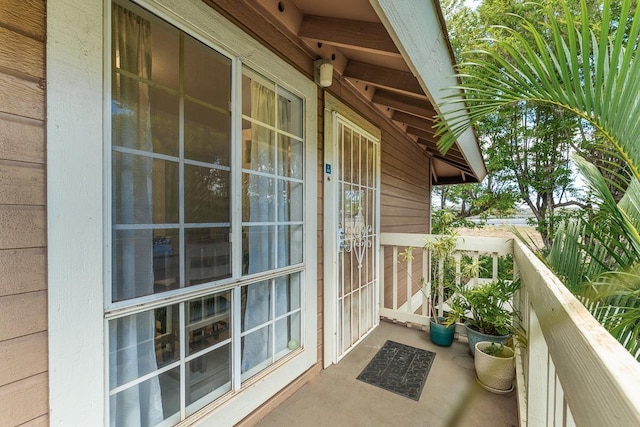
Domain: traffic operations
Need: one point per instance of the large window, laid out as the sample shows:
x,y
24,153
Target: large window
x,y
207,219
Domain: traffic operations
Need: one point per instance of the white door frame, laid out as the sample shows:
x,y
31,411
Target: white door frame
x,y
334,108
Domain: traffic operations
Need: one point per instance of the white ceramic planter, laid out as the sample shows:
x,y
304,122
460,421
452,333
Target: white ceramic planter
x,y
495,374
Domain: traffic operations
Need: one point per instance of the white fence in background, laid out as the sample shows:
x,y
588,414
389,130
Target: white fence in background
x,y
405,276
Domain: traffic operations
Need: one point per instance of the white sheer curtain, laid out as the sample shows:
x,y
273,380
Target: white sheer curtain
x,y
269,201
284,233
257,347
131,339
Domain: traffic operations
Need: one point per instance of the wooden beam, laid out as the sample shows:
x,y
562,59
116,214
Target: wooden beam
x,y
454,151
408,104
447,180
453,163
430,136
360,35
424,123
454,154
268,30
384,77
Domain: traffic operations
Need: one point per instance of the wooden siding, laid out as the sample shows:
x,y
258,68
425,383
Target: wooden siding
x,y
405,168
23,294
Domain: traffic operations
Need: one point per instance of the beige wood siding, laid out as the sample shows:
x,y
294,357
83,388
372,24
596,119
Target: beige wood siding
x,y
23,289
405,168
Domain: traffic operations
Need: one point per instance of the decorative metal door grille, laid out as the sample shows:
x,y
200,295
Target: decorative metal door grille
x,y
358,193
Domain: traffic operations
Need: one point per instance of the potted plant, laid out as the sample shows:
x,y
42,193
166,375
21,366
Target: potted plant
x,y
486,309
495,366
441,249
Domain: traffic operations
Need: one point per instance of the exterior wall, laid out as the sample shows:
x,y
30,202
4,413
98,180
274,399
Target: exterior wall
x,y
23,285
405,168
23,288
406,199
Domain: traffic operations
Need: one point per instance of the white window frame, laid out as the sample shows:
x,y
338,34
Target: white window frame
x,y
78,121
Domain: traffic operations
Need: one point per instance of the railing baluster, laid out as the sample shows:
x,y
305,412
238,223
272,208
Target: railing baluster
x,y
381,278
395,277
427,284
409,283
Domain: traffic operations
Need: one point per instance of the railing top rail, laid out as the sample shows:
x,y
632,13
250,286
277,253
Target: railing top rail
x,y
599,377
482,244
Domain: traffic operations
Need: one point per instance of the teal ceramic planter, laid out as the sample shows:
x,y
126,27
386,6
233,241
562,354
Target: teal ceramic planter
x,y
440,334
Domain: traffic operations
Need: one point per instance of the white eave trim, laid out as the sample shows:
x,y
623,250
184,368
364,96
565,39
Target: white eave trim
x,y
415,28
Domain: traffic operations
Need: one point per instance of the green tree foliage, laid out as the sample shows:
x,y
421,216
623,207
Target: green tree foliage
x,y
590,71
527,145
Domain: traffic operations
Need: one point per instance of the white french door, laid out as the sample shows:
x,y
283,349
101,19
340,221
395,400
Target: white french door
x,y
356,199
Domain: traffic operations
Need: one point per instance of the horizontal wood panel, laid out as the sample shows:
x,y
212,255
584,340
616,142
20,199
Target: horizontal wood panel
x,y
398,227
413,166
22,183
22,226
26,16
42,421
21,97
21,54
408,203
21,141
24,400
396,180
403,212
408,160
22,314
23,357
22,270
396,189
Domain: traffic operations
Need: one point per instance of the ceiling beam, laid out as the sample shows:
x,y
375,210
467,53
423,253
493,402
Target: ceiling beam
x,y
453,154
384,77
445,180
451,162
360,35
423,123
408,104
420,133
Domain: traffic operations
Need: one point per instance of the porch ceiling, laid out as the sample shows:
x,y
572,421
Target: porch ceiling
x,y
368,52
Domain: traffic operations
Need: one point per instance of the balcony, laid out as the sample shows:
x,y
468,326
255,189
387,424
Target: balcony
x,y
570,372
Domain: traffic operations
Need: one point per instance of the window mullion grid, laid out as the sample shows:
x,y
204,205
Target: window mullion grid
x,y
236,348
339,136
276,179
181,131
273,320
183,351
363,224
236,220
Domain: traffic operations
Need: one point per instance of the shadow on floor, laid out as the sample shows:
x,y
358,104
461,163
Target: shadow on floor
x,y
450,398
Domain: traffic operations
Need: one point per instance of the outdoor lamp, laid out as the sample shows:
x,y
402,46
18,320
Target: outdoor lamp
x,y
323,72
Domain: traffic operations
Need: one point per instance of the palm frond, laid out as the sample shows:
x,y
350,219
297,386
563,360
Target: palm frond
x,y
614,301
596,77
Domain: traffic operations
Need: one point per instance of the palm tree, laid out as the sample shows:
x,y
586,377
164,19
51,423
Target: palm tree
x,y
596,77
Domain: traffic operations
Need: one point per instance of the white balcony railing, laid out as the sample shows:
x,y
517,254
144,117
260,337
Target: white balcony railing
x,y
570,372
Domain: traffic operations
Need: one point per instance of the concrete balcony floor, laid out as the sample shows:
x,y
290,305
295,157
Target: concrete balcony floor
x,y
450,396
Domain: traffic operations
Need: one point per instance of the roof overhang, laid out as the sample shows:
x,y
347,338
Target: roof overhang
x,y
419,31
394,54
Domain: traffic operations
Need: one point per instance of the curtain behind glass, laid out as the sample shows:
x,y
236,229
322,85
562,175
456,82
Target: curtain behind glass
x,y
282,297
257,345
142,405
